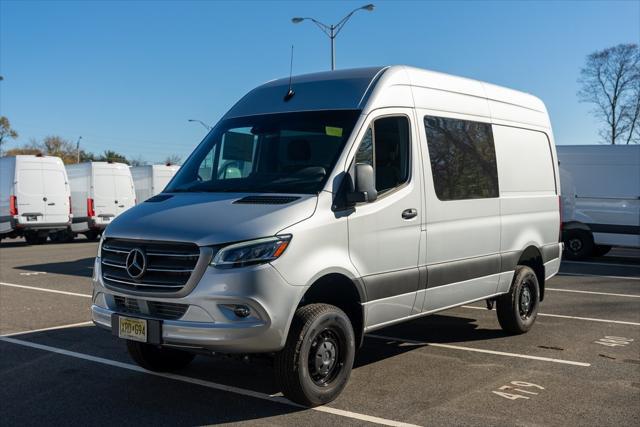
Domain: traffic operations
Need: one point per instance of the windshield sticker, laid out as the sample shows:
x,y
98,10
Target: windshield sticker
x,y
331,131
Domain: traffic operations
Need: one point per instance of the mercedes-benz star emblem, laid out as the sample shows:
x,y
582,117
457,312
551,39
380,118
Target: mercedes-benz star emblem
x,y
136,263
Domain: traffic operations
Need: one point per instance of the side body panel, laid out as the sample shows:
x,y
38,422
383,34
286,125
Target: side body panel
x,y
606,191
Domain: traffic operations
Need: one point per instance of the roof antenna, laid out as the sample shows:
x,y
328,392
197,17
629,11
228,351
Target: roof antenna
x,y
290,92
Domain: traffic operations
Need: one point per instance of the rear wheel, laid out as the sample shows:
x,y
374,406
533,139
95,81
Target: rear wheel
x,y
517,310
155,358
315,364
92,235
578,244
35,238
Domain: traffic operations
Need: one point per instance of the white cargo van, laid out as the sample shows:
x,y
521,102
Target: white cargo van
x,y
601,194
34,197
100,191
315,213
150,180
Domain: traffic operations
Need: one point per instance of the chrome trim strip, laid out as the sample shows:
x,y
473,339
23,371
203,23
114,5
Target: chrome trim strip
x,y
134,284
110,264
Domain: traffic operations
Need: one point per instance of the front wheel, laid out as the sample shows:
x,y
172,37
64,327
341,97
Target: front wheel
x,y
517,310
161,359
315,364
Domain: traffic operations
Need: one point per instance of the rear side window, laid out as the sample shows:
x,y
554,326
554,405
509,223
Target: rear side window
x,y
463,158
386,148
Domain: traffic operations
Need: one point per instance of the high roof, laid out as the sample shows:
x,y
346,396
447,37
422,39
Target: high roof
x,y
398,85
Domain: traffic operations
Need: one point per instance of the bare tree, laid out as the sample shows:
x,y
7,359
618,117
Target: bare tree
x,y
173,159
610,79
138,161
6,132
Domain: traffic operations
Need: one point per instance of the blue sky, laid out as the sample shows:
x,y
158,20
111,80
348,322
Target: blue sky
x,y
127,75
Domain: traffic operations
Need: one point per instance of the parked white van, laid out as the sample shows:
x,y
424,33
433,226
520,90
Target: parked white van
x,y
100,191
315,213
150,180
34,197
601,193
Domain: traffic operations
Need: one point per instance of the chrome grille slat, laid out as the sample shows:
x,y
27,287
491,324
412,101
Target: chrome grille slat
x,y
174,255
110,249
134,284
170,270
111,264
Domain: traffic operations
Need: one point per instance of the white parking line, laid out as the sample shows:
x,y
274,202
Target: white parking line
x,y
480,350
593,293
54,291
208,384
598,275
590,319
52,328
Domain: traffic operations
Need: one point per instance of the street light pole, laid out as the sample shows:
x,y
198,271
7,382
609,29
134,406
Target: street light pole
x,y
201,122
333,30
78,149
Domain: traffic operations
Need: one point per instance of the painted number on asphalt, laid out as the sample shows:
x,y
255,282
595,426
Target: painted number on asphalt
x,y
518,390
610,341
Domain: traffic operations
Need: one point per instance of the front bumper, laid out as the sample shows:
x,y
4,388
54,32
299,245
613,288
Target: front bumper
x,y
208,322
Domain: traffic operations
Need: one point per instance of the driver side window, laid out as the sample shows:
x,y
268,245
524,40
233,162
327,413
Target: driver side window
x,y
386,147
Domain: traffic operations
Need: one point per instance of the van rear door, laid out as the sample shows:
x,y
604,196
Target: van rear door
x,y
104,196
30,192
55,191
125,193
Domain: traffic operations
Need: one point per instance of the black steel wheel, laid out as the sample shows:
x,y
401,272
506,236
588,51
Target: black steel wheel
x,y
517,310
578,244
314,366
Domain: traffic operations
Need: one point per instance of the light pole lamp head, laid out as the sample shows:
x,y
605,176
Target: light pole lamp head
x,y
297,20
368,7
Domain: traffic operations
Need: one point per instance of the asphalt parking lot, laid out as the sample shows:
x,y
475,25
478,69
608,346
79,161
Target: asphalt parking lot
x,y
580,364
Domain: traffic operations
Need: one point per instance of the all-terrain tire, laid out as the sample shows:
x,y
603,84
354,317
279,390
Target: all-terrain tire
x,y
314,366
517,310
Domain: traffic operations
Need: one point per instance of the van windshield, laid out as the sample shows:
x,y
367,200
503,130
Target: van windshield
x,y
271,153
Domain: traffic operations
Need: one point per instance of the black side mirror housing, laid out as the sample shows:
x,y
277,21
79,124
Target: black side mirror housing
x,y
364,183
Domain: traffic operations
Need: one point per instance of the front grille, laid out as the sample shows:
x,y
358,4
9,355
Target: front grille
x,y
160,310
168,265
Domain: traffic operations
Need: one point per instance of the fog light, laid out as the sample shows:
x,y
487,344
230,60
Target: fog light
x,y
241,311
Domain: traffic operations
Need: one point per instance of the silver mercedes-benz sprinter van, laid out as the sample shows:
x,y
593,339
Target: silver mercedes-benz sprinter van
x,y
316,212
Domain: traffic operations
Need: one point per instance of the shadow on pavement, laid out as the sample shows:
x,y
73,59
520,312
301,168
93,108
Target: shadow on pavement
x,y
129,395
80,267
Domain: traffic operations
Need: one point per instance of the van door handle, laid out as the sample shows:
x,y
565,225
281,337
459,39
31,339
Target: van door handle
x,y
51,204
409,213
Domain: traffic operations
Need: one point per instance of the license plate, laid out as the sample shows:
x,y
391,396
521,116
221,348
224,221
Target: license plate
x,y
132,329
32,217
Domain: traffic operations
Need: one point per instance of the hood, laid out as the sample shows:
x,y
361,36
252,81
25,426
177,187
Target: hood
x,y
210,218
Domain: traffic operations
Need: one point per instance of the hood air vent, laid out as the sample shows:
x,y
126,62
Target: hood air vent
x,y
158,198
266,200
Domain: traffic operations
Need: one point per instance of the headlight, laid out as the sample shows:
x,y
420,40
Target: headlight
x,y
252,252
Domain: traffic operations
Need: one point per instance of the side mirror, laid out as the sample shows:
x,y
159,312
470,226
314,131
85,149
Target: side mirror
x,y
364,183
